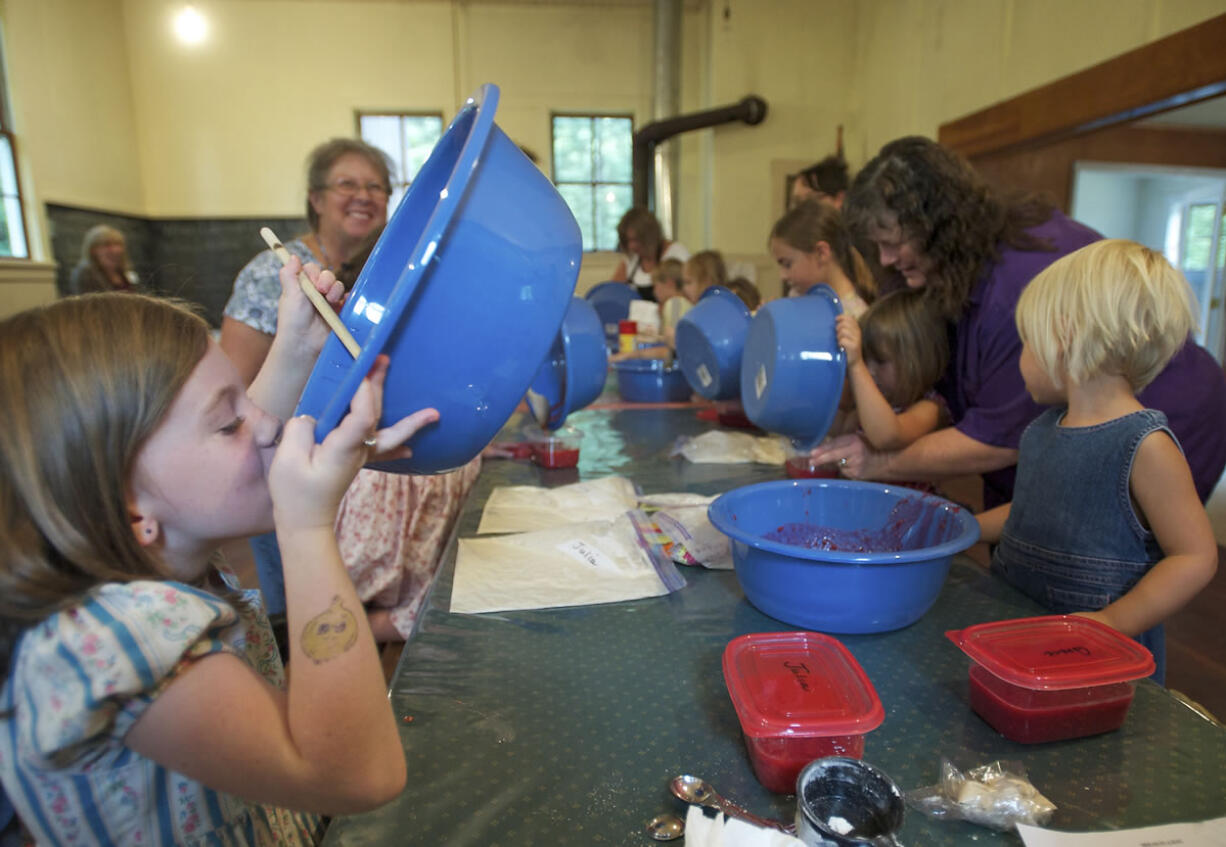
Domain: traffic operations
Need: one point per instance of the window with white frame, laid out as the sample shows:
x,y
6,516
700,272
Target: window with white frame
x,y
12,212
592,170
407,138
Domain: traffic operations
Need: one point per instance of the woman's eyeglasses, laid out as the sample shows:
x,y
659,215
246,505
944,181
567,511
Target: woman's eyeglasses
x,y
351,188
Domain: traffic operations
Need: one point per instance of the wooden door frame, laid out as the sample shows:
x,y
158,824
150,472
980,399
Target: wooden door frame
x,y
1183,68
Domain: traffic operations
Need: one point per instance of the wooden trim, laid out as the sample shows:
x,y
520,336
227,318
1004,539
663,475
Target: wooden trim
x,y
1185,67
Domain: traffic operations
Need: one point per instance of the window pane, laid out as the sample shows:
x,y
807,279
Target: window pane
x,y
1198,236
1221,244
572,149
421,133
383,131
579,198
12,228
613,147
612,201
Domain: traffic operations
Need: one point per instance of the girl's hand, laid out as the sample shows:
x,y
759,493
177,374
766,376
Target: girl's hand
x,y
297,321
847,329
1096,616
308,480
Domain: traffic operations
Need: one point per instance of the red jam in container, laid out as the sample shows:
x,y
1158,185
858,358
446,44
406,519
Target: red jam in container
x,y
1051,678
799,696
555,449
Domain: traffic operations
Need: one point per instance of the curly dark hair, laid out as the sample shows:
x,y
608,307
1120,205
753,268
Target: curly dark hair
x,y
947,209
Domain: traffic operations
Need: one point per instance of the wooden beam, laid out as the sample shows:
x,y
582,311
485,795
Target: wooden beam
x,y
1183,68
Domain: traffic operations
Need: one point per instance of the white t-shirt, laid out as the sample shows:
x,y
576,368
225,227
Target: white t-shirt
x,y
642,278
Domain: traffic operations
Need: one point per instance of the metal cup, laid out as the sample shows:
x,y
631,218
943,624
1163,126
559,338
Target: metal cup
x,y
842,802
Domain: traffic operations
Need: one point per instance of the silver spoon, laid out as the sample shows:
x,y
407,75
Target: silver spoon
x,y
692,789
666,827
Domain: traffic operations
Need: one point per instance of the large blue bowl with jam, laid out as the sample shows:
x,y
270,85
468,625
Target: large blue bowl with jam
x,y
841,556
464,291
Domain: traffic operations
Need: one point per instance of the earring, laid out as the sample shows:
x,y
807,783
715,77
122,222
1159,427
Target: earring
x,y
148,530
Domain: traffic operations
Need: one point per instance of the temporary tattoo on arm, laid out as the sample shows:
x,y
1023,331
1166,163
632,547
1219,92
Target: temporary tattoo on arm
x,y
329,633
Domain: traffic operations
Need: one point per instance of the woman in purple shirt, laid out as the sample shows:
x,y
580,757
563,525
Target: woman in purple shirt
x,y
938,225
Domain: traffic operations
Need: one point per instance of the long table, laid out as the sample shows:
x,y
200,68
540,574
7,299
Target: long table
x,y
564,726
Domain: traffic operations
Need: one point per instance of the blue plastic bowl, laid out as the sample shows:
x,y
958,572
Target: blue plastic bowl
x,y
464,291
792,367
650,381
710,338
839,590
612,302
574,372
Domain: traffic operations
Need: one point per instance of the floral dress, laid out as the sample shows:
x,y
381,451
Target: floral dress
x,y
78,682
392,530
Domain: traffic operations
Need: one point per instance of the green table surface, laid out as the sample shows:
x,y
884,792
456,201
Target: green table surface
x,y
564,726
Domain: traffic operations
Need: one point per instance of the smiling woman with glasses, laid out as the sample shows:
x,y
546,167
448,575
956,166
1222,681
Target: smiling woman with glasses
x,y
348,183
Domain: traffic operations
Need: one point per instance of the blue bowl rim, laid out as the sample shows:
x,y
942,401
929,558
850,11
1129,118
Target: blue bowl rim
x,y
604,286
963,540
723,293
647,366
485,102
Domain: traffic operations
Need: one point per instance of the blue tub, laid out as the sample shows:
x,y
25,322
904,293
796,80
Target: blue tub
x,y
842,591
710,338
574,372
612,303
651,381
792,367
465,291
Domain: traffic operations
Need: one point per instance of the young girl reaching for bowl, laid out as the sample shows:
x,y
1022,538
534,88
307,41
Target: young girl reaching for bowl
x,y
812,246
895,355
1105,520
144,700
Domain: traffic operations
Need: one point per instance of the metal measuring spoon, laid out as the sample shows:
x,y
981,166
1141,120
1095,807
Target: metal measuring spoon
x,y
666,827
698,791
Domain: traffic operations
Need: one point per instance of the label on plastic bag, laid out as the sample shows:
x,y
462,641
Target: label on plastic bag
x,y
704,376
588,554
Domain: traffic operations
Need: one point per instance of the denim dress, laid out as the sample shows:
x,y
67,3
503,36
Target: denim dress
x,y
1073,541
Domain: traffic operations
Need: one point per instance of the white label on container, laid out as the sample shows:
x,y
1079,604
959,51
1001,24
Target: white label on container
x,y
704,376
589,555
759,382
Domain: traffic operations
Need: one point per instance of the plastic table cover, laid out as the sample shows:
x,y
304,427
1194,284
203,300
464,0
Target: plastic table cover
x,y
564,726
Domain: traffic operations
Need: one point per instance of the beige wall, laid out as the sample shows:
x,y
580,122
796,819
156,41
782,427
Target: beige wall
x,y
112,112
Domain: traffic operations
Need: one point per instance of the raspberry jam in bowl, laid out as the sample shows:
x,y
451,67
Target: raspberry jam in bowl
x,y
799,696
1051,678
835,555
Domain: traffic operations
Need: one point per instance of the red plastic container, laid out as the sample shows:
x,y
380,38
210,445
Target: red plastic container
x,y
1051,678
803,467
799,696
555,454
555,448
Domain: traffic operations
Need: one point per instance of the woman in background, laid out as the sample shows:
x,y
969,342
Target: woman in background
x,y
941,228
391,528
641,241
104,263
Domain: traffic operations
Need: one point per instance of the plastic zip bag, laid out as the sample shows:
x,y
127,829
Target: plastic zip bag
x,y
996,795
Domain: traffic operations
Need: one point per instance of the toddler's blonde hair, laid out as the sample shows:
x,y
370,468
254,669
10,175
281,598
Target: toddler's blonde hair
x,y
1114,307
668,271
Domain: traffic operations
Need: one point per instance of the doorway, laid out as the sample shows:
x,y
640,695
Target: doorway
x,y
1176,211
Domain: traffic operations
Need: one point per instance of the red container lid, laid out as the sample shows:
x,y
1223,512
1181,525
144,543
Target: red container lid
x,y
627,327
1054,652
799,684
